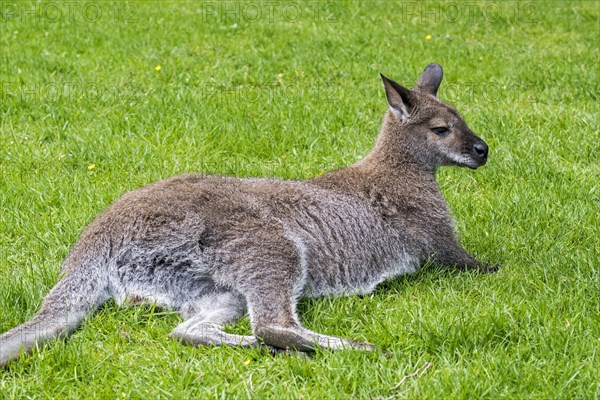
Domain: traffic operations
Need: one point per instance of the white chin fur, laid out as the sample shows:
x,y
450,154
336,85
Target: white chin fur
x,y
462,160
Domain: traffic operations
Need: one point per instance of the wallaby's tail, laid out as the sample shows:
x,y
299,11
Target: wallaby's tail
x,y
80,292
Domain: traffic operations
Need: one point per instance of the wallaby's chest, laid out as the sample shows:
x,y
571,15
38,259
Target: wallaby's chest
x,y
349,248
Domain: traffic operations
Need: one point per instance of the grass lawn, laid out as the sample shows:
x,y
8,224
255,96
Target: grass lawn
x,y
98,98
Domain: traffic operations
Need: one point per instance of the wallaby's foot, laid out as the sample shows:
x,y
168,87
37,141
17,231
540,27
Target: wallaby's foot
x,y
211,334
301,339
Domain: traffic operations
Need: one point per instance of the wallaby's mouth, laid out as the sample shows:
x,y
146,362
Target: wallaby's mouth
x,y
474,162
467,159
479,161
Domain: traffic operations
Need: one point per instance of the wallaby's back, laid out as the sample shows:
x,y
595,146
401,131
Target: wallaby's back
x,y
345,241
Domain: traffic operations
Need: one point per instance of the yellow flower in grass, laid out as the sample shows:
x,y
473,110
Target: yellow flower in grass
x,y
428,37
247,362
157,68
91,167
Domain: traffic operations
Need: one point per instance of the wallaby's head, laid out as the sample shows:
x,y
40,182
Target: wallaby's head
x,y
432,132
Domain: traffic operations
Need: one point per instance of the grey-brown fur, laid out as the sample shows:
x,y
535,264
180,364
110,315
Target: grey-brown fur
x,y
215,247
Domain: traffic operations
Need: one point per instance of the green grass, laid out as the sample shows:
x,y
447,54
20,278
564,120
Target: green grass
x,y
290,90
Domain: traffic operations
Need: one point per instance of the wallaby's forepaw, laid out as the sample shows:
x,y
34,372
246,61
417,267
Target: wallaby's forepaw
x,y
490,269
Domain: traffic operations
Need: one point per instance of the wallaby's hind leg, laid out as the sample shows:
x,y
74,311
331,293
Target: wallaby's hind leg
x,y
272,277
274,319
206,327
63,310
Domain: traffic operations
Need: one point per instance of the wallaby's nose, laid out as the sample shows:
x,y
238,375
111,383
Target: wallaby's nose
x,y
481,149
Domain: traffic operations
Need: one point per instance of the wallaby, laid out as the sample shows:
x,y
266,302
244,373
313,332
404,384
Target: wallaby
x,y
214,247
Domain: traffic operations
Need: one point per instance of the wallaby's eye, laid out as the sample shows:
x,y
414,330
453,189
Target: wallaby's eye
x,y
441,131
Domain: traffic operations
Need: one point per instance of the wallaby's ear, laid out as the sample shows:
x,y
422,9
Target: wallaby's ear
x,y
430,79
400,99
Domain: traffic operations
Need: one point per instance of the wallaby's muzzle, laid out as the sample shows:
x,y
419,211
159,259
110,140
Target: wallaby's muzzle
x,y
479,153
